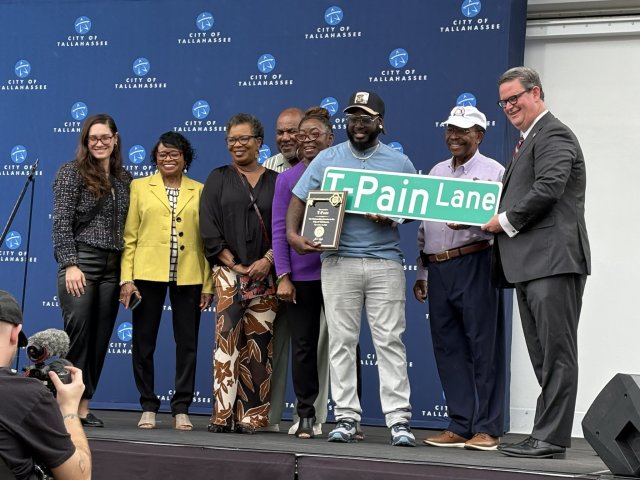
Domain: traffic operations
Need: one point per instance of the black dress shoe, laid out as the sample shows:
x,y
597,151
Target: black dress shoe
x,y
533,448
91,421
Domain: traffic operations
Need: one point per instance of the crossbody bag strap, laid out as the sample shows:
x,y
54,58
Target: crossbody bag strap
x,y
83,222
255,206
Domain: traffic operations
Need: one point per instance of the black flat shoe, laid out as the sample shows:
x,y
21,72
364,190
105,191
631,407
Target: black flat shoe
x,y
91,421
305,428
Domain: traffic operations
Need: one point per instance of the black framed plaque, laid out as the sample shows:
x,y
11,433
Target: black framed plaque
x,y
323,216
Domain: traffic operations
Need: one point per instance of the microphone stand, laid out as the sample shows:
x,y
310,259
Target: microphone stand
x,y
30,181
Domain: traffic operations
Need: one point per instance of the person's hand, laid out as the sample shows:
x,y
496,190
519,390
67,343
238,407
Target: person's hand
x,y
379,219
286,291
259,269
458,226
74,280
69,394
493,225
303,245
205,301
420,290
125,293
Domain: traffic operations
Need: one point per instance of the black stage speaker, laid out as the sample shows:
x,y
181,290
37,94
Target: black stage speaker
x,y
612,425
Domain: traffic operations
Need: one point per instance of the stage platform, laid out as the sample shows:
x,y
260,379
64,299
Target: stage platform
x,y
122,451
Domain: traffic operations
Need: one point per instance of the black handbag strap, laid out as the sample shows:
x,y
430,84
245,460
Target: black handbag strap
x,y
245,182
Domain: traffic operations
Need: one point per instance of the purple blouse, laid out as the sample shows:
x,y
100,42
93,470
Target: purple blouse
x,y
302,267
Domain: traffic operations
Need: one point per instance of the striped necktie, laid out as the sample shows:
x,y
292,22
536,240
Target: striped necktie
x,y
518,145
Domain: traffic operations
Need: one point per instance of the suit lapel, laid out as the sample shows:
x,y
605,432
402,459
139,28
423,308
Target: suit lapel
x,y
158,190
525,147
187,194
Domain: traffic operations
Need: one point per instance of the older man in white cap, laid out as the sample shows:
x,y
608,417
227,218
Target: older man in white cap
x,y
465,311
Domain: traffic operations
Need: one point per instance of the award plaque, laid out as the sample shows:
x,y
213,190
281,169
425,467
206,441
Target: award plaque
x,y
323,217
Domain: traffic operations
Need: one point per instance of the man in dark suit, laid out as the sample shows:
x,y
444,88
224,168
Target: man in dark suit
x,y
542,248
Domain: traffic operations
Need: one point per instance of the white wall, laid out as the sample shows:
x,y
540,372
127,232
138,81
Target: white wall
x,y
591,84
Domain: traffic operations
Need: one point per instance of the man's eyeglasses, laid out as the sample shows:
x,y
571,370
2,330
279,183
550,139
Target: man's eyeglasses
x,y
366,120
105,139
243,140
311,135
513,99
451,130
173,155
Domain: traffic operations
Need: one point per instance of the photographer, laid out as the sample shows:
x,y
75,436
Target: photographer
x,y
32,429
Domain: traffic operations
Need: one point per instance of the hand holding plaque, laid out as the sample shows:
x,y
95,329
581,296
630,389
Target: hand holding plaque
x,y
323,216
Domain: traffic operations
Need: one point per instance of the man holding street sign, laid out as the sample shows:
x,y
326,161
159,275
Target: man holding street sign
x,y
366,270
465,311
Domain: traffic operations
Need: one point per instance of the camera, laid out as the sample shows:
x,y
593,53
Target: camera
x,y
41,372
41,347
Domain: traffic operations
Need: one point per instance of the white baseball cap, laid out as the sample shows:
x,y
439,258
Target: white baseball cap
x,y
466,117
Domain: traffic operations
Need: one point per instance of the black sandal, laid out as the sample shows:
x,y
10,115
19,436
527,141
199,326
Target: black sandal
x,y
245,428
215,428
305,428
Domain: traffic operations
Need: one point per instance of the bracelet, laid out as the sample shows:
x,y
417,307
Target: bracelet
x,y
269,256
281,277
70,415
124,282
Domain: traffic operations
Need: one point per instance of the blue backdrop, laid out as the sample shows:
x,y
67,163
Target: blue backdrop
x,y
159,65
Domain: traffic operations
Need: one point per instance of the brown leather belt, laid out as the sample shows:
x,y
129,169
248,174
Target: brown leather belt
x,y
460,251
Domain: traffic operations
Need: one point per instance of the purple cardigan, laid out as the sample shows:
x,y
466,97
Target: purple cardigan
x,y
302,267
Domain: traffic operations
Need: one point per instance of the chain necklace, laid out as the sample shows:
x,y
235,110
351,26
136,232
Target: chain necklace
x,y
366,157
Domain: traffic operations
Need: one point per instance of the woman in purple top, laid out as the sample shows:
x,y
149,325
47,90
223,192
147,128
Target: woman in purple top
x,y
299,275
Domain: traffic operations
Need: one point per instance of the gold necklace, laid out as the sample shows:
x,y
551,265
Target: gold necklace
x,y
366,157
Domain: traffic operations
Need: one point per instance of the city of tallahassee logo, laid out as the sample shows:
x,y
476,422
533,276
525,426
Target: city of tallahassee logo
x,y
137,155
79,112
18,154
266,64
265,152
205,35
12,243
470,21
330,104
125,335
141,68
82,26
398,60
200,111
466,99
333,17
24,80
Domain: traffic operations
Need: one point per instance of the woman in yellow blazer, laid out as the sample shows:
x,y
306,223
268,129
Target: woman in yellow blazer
x,y
163,250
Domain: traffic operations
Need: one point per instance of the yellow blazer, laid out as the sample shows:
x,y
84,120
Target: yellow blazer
x,y
147,234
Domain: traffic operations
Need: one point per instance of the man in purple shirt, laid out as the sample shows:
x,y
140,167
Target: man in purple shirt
x,y
465,311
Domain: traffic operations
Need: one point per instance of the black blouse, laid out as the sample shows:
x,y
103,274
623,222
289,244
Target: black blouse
x,y
72,199
228,218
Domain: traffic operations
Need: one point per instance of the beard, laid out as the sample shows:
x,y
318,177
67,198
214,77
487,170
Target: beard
x,y
363,143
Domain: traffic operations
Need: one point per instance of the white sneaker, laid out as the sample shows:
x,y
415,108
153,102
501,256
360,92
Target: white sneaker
x,y
272,427
317,428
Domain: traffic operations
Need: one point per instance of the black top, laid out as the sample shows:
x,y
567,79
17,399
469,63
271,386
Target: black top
x,y
228,219
71,199
31,426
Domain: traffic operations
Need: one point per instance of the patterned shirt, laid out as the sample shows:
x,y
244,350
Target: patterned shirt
x,y
71,199
172,195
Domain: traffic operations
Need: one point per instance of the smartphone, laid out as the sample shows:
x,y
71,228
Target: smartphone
x,y
134,300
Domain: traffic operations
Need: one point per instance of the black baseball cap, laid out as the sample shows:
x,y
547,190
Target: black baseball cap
x,y
10,312
370,102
